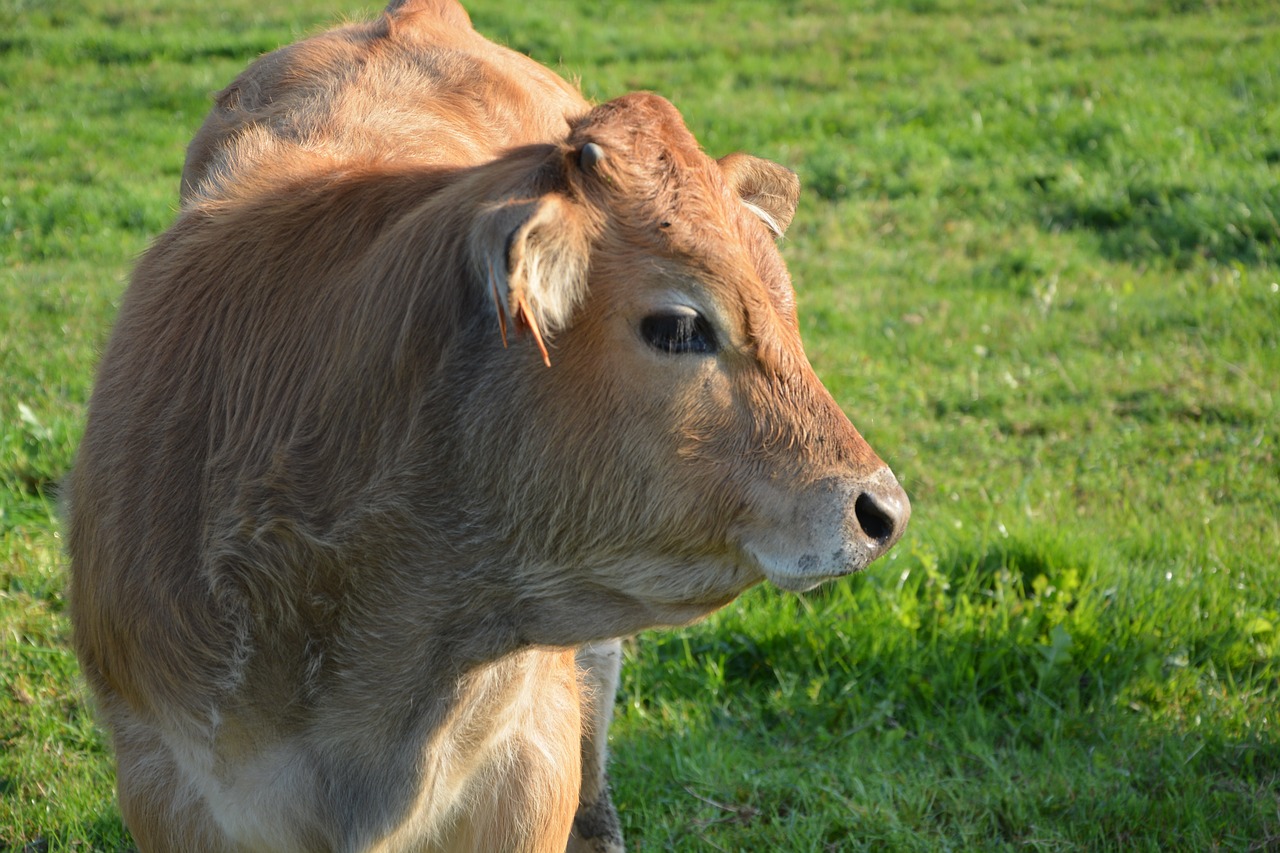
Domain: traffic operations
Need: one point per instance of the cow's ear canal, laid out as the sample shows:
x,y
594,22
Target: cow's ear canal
x,y
679,331
532,256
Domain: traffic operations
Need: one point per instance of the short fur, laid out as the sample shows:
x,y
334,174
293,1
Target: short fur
x,y
334,546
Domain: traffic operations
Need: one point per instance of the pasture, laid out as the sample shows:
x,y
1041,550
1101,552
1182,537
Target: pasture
x,y
1037,259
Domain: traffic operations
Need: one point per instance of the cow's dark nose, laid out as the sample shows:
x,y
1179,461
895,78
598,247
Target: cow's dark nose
x,y
882,510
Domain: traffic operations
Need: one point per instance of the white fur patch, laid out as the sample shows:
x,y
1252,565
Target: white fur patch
x,y
769,221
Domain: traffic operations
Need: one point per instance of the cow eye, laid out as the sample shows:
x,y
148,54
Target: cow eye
x,y
679,331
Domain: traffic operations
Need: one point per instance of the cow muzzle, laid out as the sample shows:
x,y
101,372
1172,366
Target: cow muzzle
x,y
833,528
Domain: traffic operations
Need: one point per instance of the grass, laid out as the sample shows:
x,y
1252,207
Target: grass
x,y
1038,262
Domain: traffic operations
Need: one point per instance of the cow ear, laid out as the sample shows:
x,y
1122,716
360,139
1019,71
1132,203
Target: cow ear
x,y
770,190
533,256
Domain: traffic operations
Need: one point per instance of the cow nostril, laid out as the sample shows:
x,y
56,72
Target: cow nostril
x,y
878,521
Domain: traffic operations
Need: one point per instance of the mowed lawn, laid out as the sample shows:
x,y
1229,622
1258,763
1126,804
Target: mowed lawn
x,y
1038,264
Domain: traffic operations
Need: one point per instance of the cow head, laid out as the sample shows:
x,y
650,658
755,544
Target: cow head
x,y
682,445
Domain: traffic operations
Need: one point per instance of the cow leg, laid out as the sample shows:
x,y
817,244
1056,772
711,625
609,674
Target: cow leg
x,y
595,827
157,804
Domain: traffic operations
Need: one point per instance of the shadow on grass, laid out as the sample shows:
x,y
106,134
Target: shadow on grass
x,y
1145,222
1019,692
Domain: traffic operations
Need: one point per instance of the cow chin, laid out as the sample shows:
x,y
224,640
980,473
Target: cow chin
x,y
690,590
805,571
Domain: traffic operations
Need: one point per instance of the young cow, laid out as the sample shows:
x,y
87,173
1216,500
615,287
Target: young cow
x,y
334,543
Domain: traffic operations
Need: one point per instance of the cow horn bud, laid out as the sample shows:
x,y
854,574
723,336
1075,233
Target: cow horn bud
x,y
590,156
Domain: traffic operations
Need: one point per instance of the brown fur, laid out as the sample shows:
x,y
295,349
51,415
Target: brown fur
x,y
333,545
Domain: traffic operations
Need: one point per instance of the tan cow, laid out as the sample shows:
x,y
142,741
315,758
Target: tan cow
x,y
334,545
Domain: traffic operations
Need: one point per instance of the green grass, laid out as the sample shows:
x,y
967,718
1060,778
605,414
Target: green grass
x,y
1038,262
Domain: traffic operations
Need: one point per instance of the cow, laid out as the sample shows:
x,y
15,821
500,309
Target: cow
x,y
442,380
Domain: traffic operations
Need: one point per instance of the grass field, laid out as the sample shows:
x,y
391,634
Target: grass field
x,y
1038,263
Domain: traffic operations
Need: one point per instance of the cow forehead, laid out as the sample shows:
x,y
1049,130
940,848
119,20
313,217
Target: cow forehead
x,y
728,247
653,165
658,186
730,268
